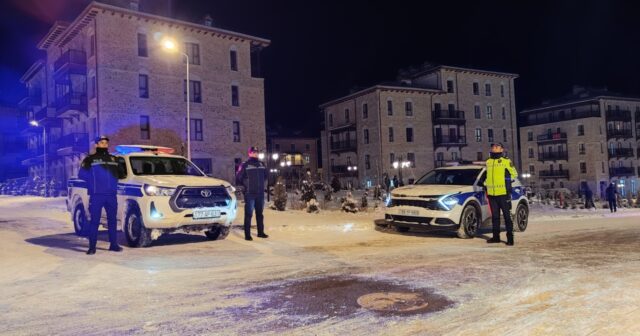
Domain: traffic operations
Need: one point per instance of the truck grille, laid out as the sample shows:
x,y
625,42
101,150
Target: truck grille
x,y
189,198
431,205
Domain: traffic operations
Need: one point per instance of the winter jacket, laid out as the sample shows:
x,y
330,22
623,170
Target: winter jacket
x,y
251,175
100,171
611,192
500,174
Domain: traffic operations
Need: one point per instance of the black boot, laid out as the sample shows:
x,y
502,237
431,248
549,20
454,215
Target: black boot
x,y
91,251
248,238
115,248
493,240
510,240
263,235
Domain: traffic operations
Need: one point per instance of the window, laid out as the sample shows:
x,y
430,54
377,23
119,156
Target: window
x,y
293,148
530,153
454,156
532,169
235,95
145,128
389,107
277,147
504,135
203,164
479,156
476,112
504,113
392,158
478,135
529,136
390,134
307,147
366,136
193,51
487,90
195,93
581,149
365,111
489,112
92,45
236,131
583,167
450,86
330,119
580,129
408,108
346,115
476,89
92,87
411,157
233,60
409,134
367,161
142,45
143,86
490,135
502,90
196,129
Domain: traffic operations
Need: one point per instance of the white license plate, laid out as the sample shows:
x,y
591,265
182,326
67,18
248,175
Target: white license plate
x,y
410,212
206,213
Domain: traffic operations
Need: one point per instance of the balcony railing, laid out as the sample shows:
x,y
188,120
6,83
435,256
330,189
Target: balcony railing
x,y
618,115
72,101
552,137
73,143
557,173
619,133
344,146
343,170
341,126
553,156
72,58
620,152
620,171
448,116
446,140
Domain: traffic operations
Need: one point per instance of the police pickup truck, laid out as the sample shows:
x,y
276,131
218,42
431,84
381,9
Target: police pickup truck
x,y
451,198
160,193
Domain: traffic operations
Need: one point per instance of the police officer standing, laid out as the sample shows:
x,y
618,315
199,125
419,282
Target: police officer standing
x,y
100,171
500,173
251,175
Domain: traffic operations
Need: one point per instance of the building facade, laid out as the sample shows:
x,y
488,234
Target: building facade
x,y
107,73
586,138
424,120
301,152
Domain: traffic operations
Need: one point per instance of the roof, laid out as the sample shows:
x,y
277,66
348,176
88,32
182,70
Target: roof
x,y
386,86
462,69
581,95
33,69
62,32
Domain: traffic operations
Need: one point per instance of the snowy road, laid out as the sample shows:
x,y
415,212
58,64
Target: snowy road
x,y
569,274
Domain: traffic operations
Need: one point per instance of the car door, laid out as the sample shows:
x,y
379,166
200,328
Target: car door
x,y
122,178
481,195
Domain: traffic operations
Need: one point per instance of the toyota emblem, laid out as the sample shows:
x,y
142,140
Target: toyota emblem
x,y
205,193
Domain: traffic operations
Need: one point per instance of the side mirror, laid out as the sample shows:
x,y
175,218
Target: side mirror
x,y
477,188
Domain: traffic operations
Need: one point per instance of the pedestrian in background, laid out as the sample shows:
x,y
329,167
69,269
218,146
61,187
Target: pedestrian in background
x,y
612,192
251,176
500,173
588,198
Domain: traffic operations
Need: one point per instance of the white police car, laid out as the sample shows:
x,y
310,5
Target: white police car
x,y
160,193
451,198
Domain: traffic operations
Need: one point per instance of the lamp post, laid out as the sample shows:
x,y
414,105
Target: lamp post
x,y
352,171
44,145
170,45
527,184
399,165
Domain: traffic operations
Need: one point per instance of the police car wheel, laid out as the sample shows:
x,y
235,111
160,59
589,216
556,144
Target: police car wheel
x,y
80,221
522,218
217,233
137,235
469,222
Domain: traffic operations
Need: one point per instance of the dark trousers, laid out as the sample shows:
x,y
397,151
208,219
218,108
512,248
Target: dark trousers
x,y
253,202
497,204
110,204
613,206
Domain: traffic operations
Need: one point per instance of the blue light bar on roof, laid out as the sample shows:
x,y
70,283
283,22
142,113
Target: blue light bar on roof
x,y
126,149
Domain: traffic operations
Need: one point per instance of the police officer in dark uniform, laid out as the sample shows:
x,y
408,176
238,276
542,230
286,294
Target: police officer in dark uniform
x,y
100,171
500,173
251,176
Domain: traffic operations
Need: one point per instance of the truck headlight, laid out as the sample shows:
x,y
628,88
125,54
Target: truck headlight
x,y
151,190
231,189
448,201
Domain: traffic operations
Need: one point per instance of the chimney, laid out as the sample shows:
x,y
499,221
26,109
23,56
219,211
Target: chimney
x,y
208,21
134,5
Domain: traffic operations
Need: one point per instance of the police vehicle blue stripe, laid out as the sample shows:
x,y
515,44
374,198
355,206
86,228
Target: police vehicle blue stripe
x,y
123,188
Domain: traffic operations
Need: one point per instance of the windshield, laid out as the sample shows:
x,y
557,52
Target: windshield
x,y
155,165
450,176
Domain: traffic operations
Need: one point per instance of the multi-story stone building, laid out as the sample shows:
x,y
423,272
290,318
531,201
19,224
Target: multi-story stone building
x,y
301,152
106,73
585,138
426,118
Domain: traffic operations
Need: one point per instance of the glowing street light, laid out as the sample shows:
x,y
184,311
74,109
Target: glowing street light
x,y
44,145
275,156
261,156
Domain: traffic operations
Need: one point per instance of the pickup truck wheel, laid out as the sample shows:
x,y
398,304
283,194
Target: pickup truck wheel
x,y
217,233
137,235
80,222
522,218
469,222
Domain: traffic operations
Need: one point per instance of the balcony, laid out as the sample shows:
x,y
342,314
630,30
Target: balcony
x,y
71,104
343,127
620,153
618,115
448,117
552,137
73,143
557,173
344,146
553,156
619,133
47,115
343,170
621,171
72,61
449,141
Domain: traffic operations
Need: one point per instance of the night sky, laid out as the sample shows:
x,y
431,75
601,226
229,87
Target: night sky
x,y
322,49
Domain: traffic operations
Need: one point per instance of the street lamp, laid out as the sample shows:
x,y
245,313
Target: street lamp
x,y
399,165
171,46
44,145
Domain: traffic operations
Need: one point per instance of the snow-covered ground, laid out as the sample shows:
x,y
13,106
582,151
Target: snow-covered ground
x,y
573,272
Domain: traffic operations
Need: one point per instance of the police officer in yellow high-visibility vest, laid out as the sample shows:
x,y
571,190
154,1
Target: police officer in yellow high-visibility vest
x,y
500,173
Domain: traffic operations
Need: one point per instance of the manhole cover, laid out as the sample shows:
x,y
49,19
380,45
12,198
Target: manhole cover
x,y
393,302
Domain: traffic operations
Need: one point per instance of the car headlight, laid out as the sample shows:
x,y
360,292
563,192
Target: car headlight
x,y
448,201
151,190
231,189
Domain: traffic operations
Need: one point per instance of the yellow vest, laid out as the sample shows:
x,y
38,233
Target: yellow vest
x,y
496,181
